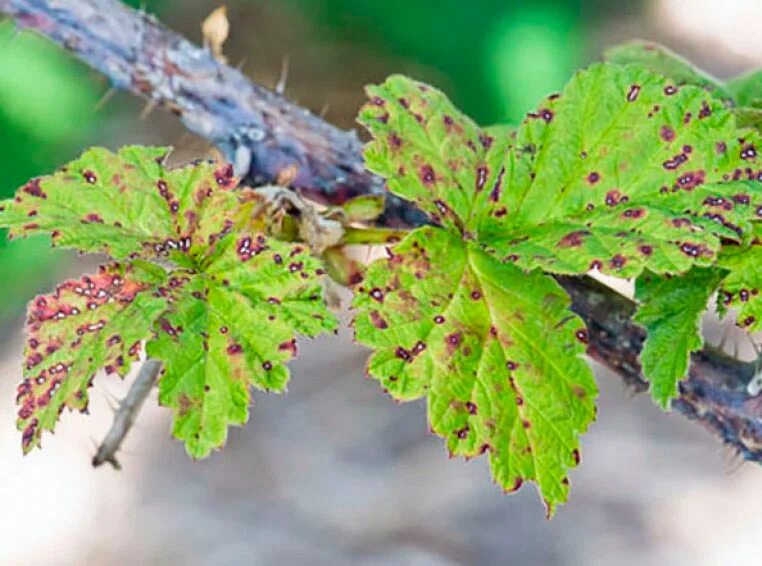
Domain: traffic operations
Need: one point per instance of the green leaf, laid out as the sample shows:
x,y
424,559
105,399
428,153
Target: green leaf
x,y
740,290
495,350
87,324
658,59
747,89
670,310
427,150
232,326
224,318
622,172
127,204
744,91
449,321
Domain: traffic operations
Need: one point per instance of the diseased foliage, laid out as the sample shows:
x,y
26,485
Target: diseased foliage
x,y
620,173
671,311
129,205
740,289
96,322
661,60
233,326
450,322
222,317
644,168
624,171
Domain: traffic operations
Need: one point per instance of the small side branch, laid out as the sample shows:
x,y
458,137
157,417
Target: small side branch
x,y
125,415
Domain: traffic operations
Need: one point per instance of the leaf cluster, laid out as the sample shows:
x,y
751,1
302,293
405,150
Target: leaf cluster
x,y
642,168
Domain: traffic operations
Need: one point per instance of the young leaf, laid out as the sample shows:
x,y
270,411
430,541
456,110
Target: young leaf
x,y
741,288
448,321
495,350
224,318
87,324
623,171
231,326
127,204
670,310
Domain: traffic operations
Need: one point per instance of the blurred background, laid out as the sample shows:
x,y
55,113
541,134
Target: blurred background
x,y
335,473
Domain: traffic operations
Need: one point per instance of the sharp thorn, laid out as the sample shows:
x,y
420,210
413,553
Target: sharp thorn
x,y
150,107
108,95
280,88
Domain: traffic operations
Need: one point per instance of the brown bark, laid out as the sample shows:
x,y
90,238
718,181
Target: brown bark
x,y
264,134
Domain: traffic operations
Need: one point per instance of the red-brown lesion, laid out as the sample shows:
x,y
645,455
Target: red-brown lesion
x,y
56,326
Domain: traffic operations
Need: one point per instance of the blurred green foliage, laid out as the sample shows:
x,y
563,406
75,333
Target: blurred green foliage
x,y
499,57
46,105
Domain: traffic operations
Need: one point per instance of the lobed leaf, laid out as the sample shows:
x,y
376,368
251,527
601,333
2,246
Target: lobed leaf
x,y
233,326
433,309
428,151
94,322
623,172
671,309
740,289
128,204
222,312
450,322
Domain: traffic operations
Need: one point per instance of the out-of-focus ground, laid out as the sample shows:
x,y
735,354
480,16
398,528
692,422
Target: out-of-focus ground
x,y
334,472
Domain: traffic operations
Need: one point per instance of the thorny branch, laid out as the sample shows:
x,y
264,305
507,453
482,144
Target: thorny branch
x,y
263,134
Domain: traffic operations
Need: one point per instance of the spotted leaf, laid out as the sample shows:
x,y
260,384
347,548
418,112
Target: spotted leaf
x,y
450,322
741,288
744,92
88,324
129,204
670,310
428,151
233,325
624,171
